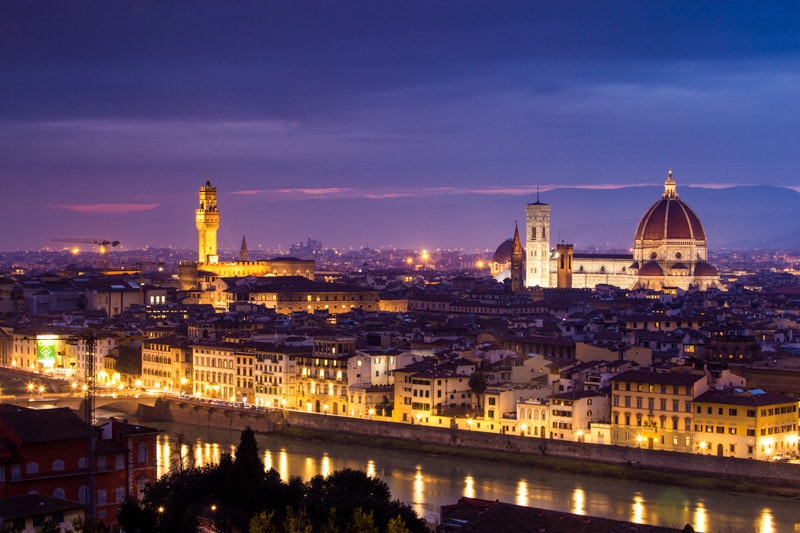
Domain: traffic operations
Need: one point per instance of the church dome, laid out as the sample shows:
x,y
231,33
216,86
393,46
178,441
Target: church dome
x,y
503,252
670,218
705,269
651,269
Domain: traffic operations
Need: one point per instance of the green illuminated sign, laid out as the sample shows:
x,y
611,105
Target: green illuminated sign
x,y
46,350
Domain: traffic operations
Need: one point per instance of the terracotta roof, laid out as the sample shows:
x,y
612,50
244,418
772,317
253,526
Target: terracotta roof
x,y
651,269
503,252
670,218
752,397
658,378
34,505
705,269
507,517
43,425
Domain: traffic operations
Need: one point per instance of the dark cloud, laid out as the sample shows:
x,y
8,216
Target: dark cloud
x,y
128,102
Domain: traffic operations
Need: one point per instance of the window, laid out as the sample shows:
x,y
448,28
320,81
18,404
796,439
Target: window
x,y
59,493
142,452
120,494
101,497
58,465
32,468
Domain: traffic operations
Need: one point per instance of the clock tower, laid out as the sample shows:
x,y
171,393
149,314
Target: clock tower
x,y
207,221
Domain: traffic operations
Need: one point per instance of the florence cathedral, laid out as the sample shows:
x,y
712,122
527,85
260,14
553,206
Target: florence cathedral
x,y
669,252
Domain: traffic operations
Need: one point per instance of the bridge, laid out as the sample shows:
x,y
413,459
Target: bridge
x,y
121,403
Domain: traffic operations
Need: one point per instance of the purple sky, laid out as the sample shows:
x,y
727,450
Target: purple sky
x,y
112,112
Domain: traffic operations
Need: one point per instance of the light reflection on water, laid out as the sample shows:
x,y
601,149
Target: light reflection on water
x,y
427,483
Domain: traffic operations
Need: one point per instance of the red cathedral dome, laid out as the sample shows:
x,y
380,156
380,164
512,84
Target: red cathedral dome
x,y
651,269
503,252
670,218
705,269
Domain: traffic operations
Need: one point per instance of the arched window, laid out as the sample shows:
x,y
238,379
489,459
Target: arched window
x,y
58,465
32,468
59,493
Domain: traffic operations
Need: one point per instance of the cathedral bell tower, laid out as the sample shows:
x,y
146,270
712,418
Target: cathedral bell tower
x,y
207,222
537,244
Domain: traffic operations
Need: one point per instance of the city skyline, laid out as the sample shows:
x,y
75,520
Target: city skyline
x,y
320,119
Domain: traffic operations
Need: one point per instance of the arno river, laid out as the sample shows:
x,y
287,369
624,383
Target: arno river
x,y
426,483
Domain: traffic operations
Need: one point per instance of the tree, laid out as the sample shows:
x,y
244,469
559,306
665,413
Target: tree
x,y
478,385
262,523
297,523
330,526
397,525
361,522
132,518
348,489
246,476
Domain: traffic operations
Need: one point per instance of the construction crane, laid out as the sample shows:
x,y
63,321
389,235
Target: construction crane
x,y
102,243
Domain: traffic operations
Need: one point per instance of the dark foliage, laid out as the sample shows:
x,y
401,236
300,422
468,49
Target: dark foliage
x,y
230,493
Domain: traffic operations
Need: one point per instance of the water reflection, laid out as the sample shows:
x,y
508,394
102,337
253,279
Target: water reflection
x,y
637,510
765,524
522,493
469,487
700,522
419,485
427,483
578,501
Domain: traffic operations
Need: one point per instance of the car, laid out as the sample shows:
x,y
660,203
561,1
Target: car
x,y
779,457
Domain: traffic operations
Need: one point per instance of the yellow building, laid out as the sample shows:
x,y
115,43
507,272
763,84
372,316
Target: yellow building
x,y
322,376
654,410
276,374
427,390
749,424
214,370
167,364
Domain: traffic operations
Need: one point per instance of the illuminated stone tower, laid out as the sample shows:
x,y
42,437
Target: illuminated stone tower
x,y
537,244
564,253
207,221
517,263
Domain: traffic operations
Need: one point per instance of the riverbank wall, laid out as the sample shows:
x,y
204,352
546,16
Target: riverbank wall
x,y
761,472
212,416
208,415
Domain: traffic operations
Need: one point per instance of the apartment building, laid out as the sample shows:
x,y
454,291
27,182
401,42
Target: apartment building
x,y
745,423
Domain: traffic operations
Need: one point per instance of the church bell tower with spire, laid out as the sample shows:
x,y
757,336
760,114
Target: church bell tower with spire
x,y
537,244
207,222
517,263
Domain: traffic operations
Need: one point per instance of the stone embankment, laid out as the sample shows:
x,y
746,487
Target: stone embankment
x,y
214,416
761,472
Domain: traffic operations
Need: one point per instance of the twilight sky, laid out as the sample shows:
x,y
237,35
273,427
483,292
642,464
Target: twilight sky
x,y
360,122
